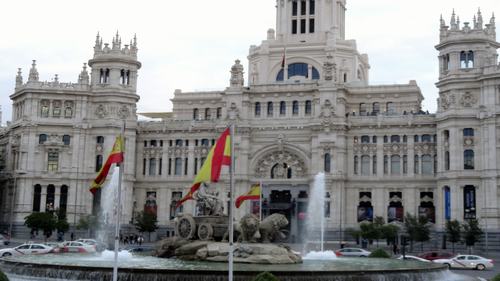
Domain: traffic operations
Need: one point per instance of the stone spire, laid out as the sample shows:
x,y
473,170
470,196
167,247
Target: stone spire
x,y
479,19
98,43
19,78
441,21
56,79
453,21
84,78
117,42
237,79
33,77
492,20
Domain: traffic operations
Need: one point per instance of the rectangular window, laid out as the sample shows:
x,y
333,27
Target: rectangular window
x,y
469,202
176,196
152,167
178,142
405,164
160,164
302,26
178,166
186,166
416,169
187,142
311,25
294,31
144,161
386,164
374,168
303,8
169,166
145,143
195,166
294,8
468,132
312,7
53,162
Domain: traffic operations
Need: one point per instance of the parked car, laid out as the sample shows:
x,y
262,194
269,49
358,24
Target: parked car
x,y
56,247
412,258
99,245
467,262
77,247
434,255
25,249
352,252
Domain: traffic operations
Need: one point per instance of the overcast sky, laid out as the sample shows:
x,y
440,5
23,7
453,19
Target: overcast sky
x,y
191,45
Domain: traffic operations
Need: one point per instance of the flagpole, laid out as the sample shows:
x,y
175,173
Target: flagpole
x,y
119,205
260,200
231,205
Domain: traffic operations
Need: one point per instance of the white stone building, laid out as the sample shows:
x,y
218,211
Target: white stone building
x,y
307,108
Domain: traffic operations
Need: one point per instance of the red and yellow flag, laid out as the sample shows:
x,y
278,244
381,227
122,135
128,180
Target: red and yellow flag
x,y
253,194
115,157
219,155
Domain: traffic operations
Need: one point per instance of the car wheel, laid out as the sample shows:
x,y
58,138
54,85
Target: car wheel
x,y
448,265
480,267
6,255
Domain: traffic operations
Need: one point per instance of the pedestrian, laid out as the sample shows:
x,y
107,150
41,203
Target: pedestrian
x,y
72,236
394,248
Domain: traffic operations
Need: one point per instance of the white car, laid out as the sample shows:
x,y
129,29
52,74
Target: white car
x,y
26,249
77,247
412,258
467,262
352,252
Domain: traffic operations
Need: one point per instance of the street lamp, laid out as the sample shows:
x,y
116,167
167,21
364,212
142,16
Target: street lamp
x,y
11,216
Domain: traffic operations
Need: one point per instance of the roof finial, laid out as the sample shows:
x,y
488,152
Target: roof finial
x,y
33,76
19,78
479,19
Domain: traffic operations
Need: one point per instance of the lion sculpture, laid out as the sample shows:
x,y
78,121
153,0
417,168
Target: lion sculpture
x,y
249,229
270,227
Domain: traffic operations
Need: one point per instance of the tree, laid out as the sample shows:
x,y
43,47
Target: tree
x,y
472,233
453,232
88,223
62,224
146,222
418,229
390,232
41,221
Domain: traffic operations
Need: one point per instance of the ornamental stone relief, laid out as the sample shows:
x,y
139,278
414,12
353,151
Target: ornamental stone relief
x,y
447,100
280,159
468,100
101,111
124,112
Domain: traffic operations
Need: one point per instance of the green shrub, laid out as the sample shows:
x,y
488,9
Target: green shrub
x,y
496,278
265,276
3,277
379,253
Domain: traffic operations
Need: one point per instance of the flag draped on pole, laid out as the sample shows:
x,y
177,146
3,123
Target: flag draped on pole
x,y
253,194
115,157
219,155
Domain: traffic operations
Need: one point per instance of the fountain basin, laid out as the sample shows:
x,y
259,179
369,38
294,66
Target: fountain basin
x,y
77,267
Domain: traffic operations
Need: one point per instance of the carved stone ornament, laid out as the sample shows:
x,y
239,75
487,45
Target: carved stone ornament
x,y
468,100
330,69
233,113
447,100
101,111
124,112
264,166
327,110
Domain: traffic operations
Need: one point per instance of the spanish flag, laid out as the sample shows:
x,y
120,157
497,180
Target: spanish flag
x,y
219,155
115,157
253,194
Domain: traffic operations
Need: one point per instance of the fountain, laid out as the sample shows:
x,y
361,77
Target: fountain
x,y
316,213
205,259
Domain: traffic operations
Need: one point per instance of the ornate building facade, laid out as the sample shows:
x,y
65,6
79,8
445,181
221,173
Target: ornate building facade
x,y
307,107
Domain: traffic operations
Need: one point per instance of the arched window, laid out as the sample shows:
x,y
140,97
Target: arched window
x,y
362,109
100,140
298,69
447,160
416,168
469,159
66,139
327,163
426,138
356,163
51,195
208,114
427,164
42,138
365,139
395,165
416,138
257,109
219,112
365,165
376,108
386,139
469,202
280,76
152,166
315,73
282,108
386,164
63,199
467,59
395,138
295,107
196,114
405,164
308,108
37,196
98,163
391,108
374,162
374,139
270,109
405,139
345,77
104,76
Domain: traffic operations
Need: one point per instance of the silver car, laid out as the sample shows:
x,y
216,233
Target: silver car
x,y
352,252
467,262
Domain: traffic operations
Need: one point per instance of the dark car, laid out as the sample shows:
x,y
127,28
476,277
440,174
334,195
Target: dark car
x,y
435,255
